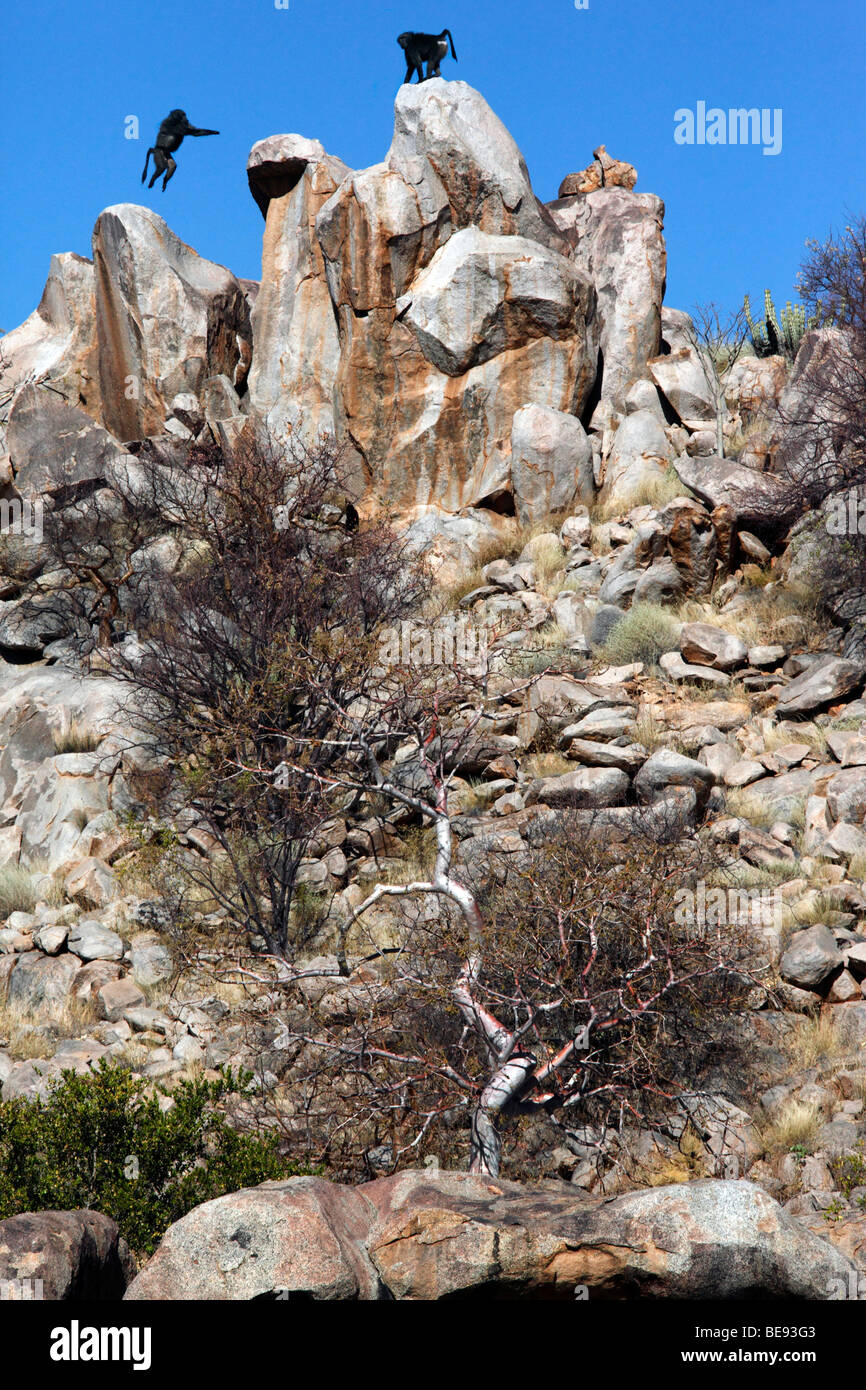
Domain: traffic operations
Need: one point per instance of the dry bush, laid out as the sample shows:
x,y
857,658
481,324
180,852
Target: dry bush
x,y
252,654
613,1003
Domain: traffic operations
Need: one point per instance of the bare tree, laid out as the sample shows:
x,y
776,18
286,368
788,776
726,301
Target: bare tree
x,y
821,432
829,411
553,978
240,602
718,341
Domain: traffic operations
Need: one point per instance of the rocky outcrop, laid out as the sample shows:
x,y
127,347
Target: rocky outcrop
x,y
63,1255
603,172
296,346
487,362
58,340
455,303
416,1237
619,245
166,320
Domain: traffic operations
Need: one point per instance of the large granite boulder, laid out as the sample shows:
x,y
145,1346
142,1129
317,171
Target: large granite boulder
x,y
754,386
455,304
54,445
453,1235
638,458
551,463
464,165
166,320
296,346
619,245
682,377
755,499
63,1255
303,1236
829,679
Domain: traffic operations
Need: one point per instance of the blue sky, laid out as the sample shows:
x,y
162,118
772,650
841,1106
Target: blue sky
x,y
563,80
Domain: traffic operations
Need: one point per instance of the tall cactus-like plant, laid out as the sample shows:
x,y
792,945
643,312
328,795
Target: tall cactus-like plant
x,y
783,333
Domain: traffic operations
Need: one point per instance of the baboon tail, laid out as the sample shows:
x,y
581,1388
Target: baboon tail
x,y
146,162
451,41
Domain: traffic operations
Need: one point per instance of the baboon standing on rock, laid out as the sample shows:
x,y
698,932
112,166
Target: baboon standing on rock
x,y
170,138
425,48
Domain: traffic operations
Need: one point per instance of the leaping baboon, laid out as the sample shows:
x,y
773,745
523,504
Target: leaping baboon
x,y
170,138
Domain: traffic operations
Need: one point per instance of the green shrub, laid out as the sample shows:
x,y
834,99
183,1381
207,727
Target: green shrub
x,y
849,1171
644,633
100,1141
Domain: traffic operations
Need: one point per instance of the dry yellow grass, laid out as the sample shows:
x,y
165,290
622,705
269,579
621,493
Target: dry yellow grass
x,y
652,492
816,1041
796,1126
756,620
73,737
653,733
758,810
546,765
69,1019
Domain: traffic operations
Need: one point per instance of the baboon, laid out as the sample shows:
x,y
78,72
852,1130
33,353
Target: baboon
x,y
170,138
425,48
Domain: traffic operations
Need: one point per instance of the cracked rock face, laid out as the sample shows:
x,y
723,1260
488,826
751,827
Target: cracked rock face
x,y
420,1236
452,298
166,320
296,347
619,245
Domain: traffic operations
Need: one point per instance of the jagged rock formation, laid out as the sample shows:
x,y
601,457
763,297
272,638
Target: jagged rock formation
x,y
195,313
296,346
603,172
58,339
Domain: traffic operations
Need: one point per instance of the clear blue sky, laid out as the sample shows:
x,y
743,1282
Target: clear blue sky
x,y
563,80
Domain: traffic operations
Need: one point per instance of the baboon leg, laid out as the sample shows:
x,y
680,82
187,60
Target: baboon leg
x,y
170,168
158,165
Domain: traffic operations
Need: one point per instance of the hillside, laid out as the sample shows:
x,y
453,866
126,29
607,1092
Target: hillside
x,y
422,686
